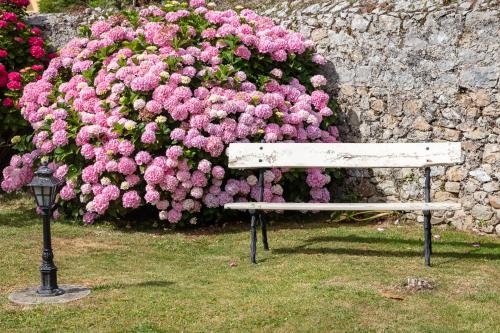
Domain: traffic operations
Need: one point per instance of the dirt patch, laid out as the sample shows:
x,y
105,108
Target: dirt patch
x,y
77,246
391,294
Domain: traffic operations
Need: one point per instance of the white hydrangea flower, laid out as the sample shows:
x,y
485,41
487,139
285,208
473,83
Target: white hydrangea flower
x,y
161,119
165,75
277,189
221,114
90,206
130,125
139,104
105,181
252,180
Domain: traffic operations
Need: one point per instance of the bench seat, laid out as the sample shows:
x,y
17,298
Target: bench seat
x,y
305,206
263,156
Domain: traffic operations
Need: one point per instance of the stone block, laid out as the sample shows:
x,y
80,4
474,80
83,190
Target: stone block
x,y
491,187
494,201
481,97
456,173
482,212
491,153
421,124
453,187
359,23
481,175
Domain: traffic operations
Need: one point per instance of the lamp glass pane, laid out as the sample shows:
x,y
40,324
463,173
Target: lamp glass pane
x,y
46,196
37,190
53,194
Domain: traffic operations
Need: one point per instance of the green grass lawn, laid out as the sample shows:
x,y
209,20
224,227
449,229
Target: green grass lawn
x,y
318,277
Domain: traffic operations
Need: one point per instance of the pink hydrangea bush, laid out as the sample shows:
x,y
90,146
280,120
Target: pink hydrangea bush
x,y
140,111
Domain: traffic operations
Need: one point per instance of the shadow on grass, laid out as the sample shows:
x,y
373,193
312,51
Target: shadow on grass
x,y
459,253
142,284
385,253
241,223
19,219
376,240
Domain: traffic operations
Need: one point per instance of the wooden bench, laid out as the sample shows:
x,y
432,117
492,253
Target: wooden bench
x,y
342,155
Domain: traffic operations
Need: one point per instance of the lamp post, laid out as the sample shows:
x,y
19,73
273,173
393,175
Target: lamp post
x,y
44,187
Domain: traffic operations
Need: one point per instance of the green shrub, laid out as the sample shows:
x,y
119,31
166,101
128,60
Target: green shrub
x,y
56,6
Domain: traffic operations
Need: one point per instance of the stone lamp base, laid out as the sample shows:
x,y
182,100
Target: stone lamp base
x,y
30,296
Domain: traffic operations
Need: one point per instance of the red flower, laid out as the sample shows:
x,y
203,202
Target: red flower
x,y
37,67
14,76
3,24
3,53
3,81
20,26
35,41
7,102
8,16
21,3
19,39
52,55
36,31
37,52
14,85
2,69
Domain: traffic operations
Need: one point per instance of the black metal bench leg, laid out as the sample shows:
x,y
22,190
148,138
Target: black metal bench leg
x,y
263,225
427,218
427,238
253,239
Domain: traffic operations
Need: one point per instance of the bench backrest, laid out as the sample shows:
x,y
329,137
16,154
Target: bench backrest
x,y
342,155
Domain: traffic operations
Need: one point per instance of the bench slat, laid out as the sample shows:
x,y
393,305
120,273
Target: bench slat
x,y
342,155
304,206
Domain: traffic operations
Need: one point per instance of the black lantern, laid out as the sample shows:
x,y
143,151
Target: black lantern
x,y
45,187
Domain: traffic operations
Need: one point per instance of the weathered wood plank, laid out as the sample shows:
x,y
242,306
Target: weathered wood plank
x,y
304,206
342,155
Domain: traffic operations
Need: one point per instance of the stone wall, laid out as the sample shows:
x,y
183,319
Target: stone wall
x,y
403,71
415,71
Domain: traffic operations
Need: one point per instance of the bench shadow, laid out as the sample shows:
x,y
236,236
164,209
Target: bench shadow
x,y
470,253
375,240
386,253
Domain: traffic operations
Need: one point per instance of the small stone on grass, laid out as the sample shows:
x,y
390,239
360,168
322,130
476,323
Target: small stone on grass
x,y
418,284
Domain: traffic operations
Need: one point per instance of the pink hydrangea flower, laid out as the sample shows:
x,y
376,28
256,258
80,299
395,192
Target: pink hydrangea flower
x,y
154,174
218,172
131,199
318,81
